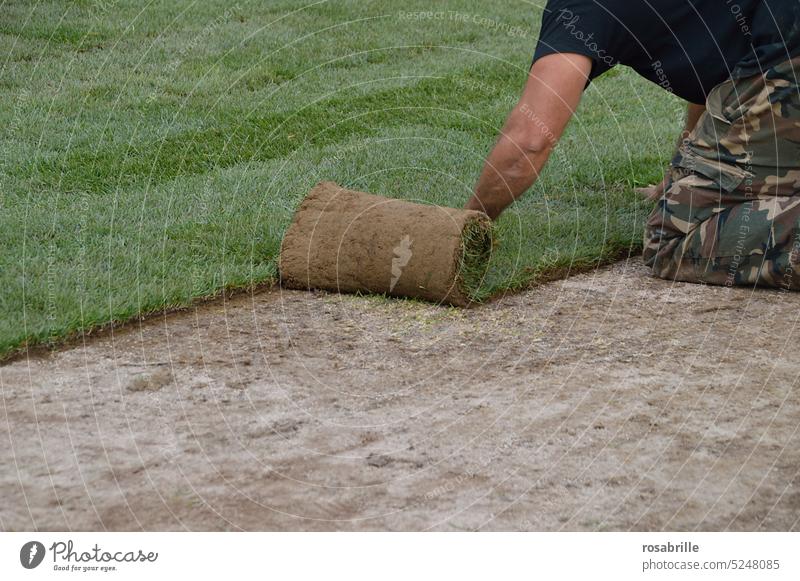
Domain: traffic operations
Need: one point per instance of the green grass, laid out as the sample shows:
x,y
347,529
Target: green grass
x,y
476,253
153,153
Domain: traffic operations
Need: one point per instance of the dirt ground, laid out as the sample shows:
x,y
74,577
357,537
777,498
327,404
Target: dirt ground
x,y
606,401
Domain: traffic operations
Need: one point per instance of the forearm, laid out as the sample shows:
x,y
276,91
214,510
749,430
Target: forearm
x,y
693,114
510,170
552,93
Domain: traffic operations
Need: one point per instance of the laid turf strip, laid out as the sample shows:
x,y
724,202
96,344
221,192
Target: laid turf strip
x,y
347,241
154,153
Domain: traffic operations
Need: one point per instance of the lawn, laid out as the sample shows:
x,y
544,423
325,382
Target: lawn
x,y
153,152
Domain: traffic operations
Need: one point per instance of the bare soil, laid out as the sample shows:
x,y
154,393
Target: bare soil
x,y
607,401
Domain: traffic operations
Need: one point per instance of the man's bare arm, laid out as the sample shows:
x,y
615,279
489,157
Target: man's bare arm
x,y
693,113
552,93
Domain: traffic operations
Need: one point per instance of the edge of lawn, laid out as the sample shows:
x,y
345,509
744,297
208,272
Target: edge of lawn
x,y
33,346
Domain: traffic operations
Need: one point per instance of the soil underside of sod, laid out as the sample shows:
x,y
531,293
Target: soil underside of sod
x,y
343,240
154,158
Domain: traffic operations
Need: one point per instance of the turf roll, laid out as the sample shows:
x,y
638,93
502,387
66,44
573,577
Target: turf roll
x,y
347,241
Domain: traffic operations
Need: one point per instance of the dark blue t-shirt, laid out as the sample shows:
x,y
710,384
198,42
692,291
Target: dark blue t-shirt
x,y
686,46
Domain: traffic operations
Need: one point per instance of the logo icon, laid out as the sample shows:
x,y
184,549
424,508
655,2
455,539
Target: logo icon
x,y
402,254
31,554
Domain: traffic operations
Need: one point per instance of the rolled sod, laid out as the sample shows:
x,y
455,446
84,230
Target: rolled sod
x,y
347,241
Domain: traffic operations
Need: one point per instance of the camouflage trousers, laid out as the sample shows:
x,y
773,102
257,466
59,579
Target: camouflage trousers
x,y
730,212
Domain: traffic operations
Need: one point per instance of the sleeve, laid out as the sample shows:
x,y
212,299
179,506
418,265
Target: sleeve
x,y
581,27
775,37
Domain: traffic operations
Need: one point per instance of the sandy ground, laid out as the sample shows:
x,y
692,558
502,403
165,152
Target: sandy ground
x,y
607,401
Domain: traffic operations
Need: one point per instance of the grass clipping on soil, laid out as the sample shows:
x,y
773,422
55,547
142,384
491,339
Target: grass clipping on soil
x,y
347,241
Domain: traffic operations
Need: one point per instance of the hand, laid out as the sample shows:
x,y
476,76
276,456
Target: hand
x,y
474,204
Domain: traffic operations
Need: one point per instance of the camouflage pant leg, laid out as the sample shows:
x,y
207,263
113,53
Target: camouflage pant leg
x,y
731,212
